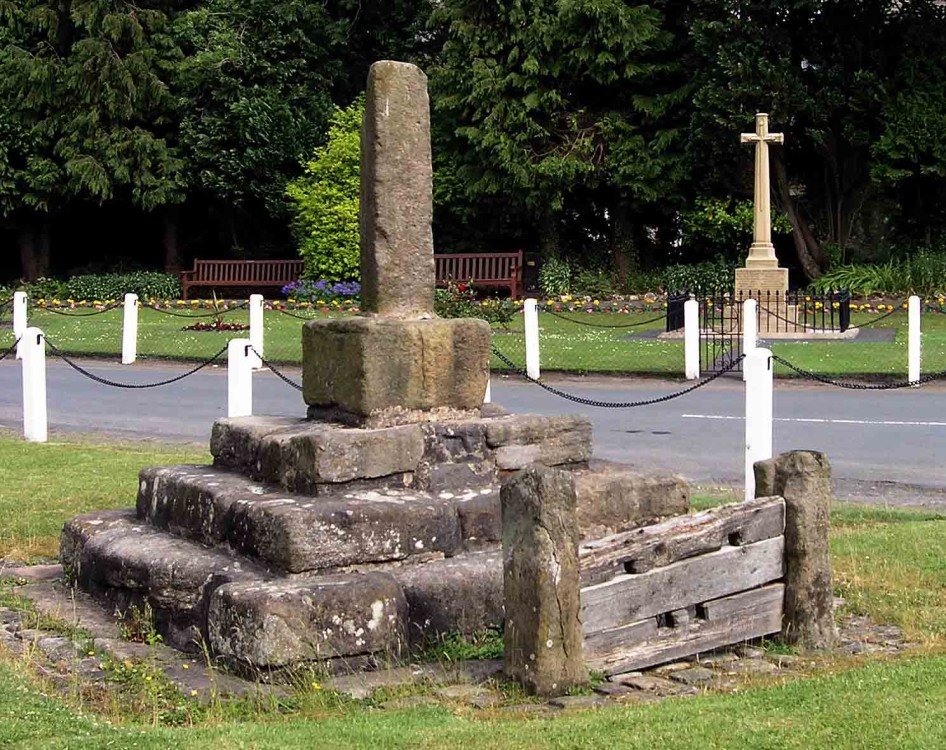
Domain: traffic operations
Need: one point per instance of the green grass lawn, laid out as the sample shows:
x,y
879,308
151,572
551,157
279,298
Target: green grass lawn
x,y
565,345
41,488
888,564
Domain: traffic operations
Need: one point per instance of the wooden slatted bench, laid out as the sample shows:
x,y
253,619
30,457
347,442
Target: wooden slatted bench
x,y
482,269
241,273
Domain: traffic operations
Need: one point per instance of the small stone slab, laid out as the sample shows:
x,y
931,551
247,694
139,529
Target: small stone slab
x,y
277,624
302,455
527,439
459,594
617,496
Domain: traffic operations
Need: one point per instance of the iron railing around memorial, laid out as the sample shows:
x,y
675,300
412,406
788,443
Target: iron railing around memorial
x,y
793,314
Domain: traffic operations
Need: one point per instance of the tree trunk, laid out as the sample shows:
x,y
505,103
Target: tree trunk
x,y
43,248
26,242
172,250
624,249
810,255
549,235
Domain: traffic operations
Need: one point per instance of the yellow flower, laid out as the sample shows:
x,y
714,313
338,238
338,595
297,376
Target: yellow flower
x,y
193,693
185,665
597,303
316,686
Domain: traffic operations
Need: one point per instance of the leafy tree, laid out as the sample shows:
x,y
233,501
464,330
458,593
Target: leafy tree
x,y
830,73
254,91
554,107
325,201
86,111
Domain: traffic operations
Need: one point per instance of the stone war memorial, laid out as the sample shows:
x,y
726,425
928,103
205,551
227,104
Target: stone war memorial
x,y
400,508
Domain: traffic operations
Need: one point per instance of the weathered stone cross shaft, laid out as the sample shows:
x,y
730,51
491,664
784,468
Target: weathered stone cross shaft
x,y
398,362
762,251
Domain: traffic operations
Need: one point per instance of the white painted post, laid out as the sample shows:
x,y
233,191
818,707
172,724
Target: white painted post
x,y
757,367
256,329
531,323
913,339
691,339
130,329
240,361
19,318
750,327
33,354
488,397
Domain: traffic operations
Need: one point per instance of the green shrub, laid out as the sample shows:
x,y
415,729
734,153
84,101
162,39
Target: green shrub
x,y
115,286
325,201
922,273
595,282
555,277
45,288
709,276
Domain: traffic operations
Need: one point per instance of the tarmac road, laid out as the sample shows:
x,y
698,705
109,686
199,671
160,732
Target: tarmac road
x,y
885,446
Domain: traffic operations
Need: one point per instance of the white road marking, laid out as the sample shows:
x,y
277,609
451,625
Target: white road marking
x,y
891,422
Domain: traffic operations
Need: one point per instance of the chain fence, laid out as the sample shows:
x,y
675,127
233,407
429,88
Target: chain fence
x,y
56,351
615,404
63,313
636,324
276,371
854,386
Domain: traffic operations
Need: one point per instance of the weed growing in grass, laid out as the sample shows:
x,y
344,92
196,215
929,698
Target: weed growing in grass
x,y
454,647
137,625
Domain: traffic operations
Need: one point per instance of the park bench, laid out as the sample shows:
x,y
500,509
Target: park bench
x,y
482,269
251,274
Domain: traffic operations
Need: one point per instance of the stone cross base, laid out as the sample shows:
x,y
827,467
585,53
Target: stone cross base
x,y
756,282
377,372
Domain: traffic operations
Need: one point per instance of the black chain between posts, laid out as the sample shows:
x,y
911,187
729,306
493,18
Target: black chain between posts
x,y
54,311
600,325
616,404
10,350
276,371
135,386
194,316
859,386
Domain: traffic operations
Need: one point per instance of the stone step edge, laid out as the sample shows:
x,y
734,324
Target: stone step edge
x,y
422,598
299,533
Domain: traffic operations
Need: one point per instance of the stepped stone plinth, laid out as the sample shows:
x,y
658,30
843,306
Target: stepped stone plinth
x,y
350,536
